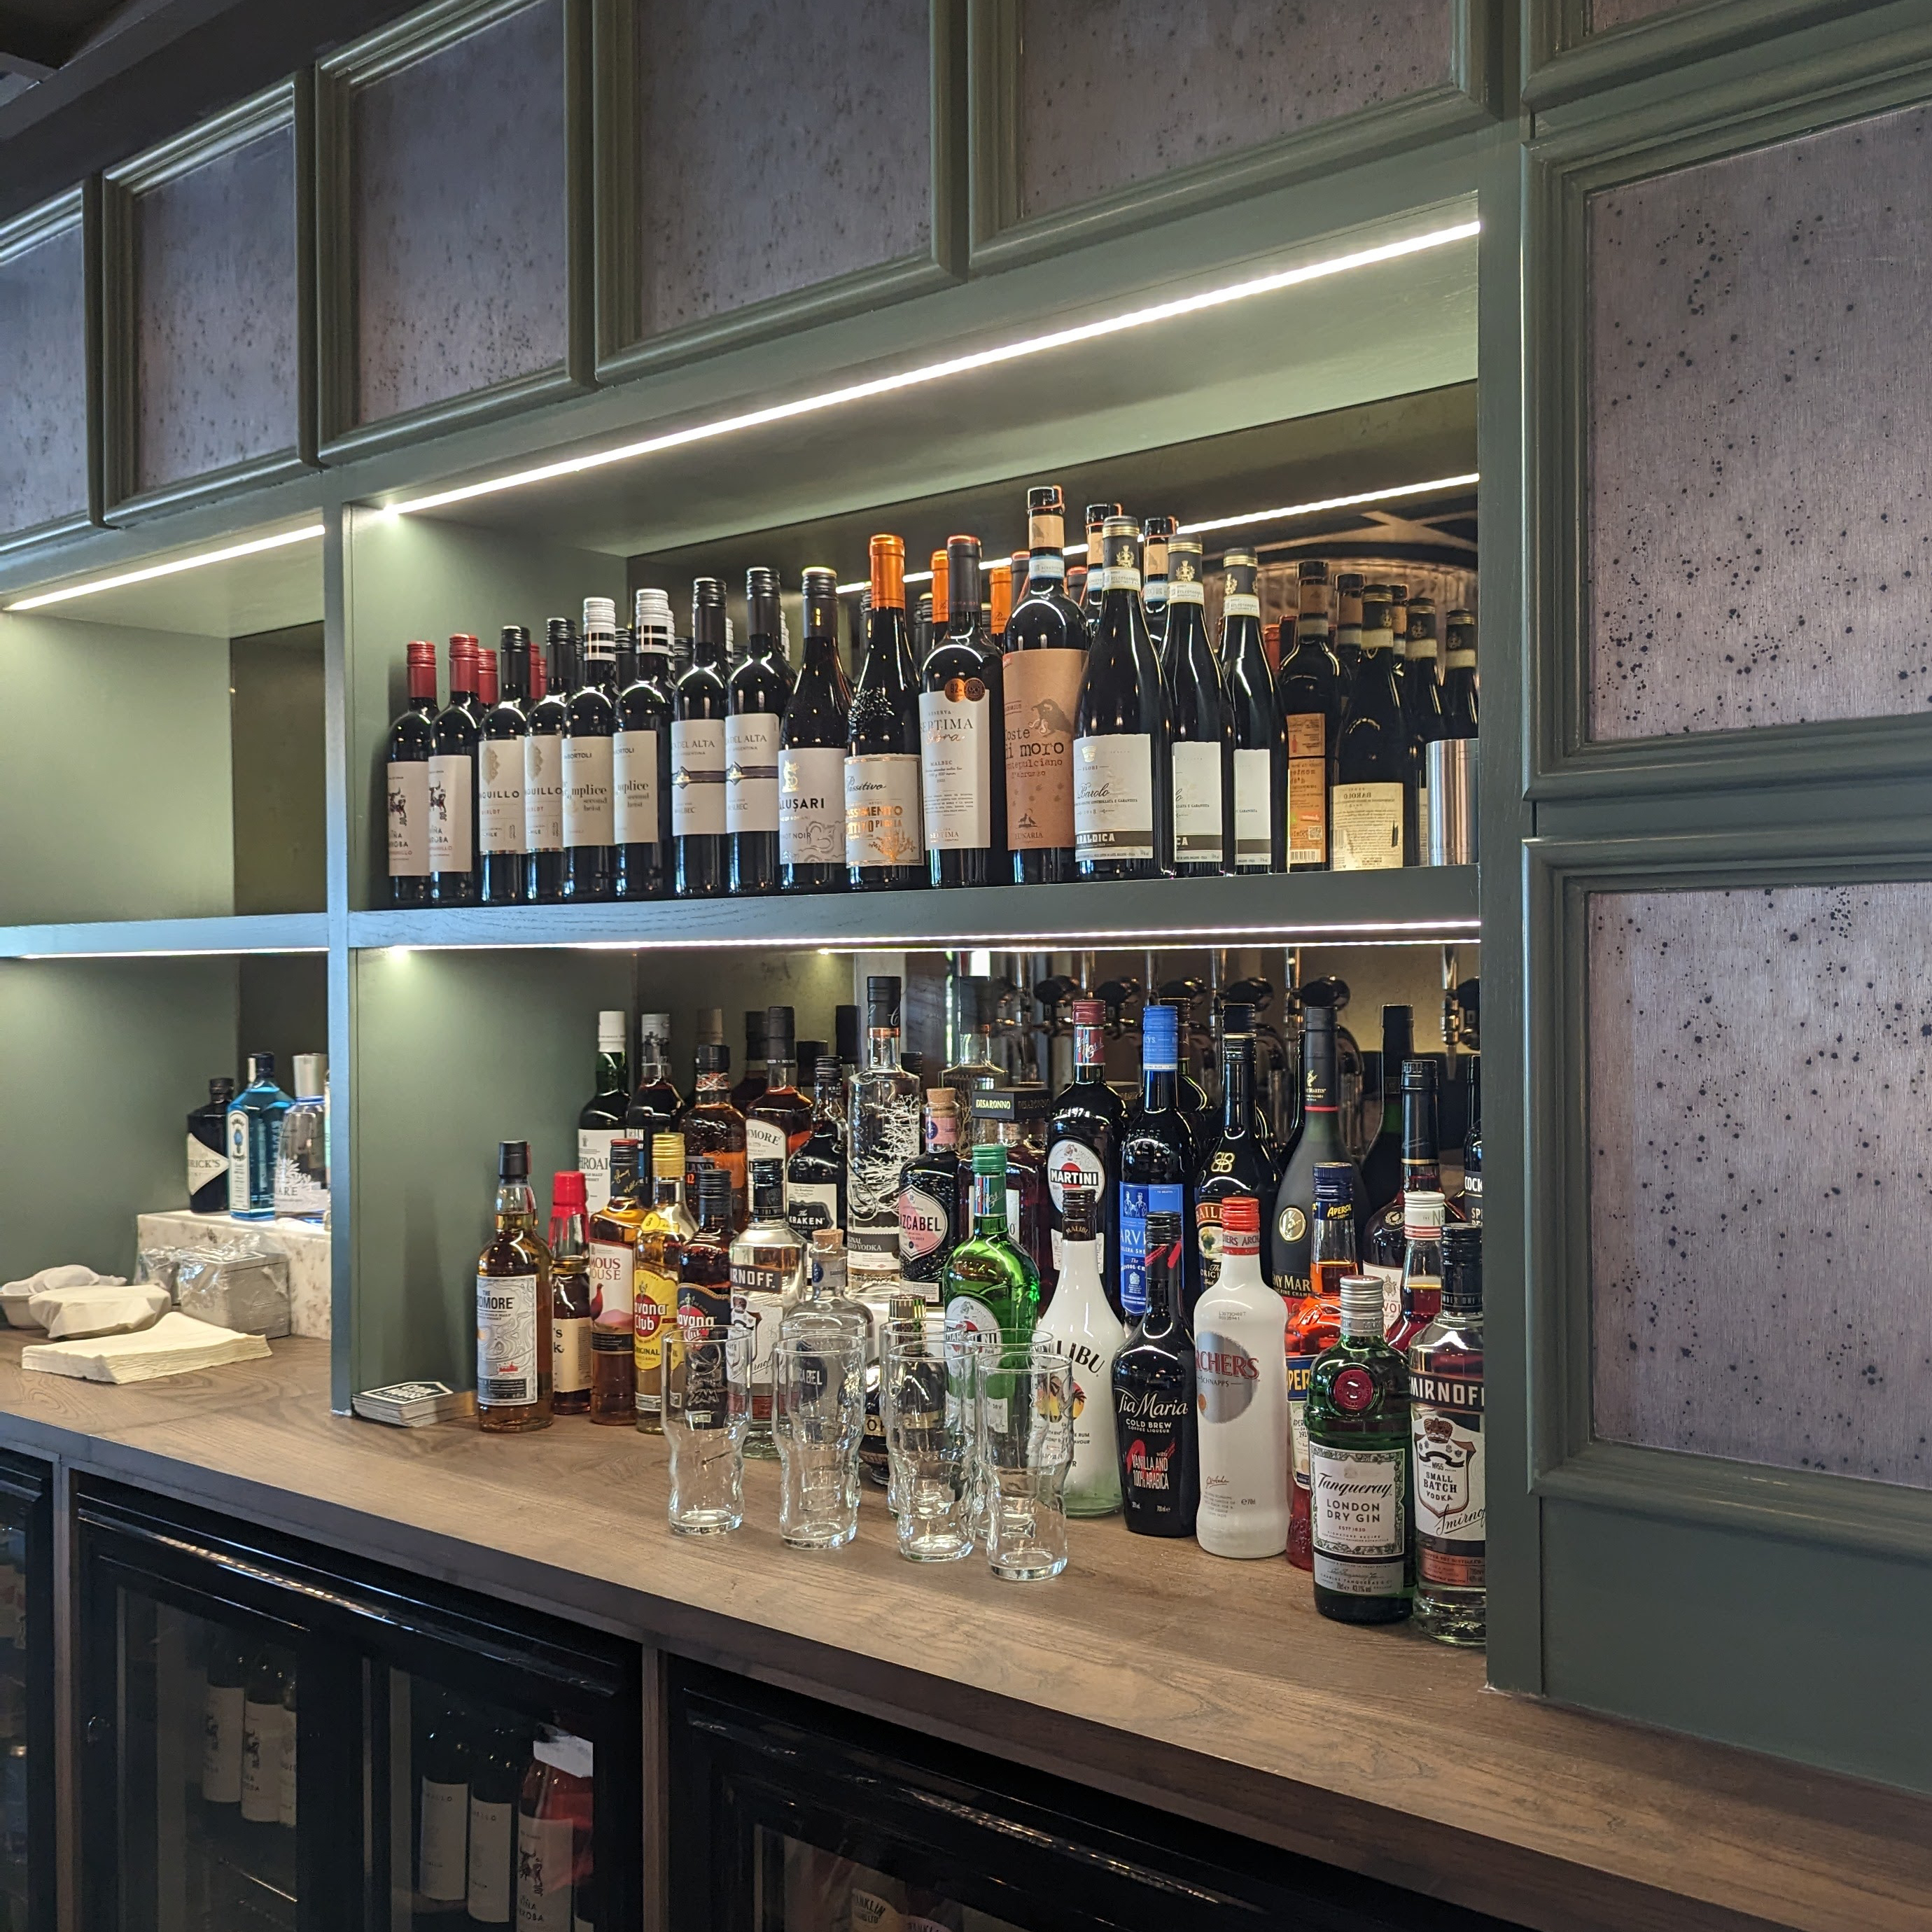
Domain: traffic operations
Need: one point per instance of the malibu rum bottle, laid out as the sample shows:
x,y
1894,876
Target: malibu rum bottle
x,y
1358,1454
513,1339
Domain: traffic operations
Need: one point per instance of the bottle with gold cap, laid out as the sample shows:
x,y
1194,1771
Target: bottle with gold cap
x,y
885,843
962,736
665,1224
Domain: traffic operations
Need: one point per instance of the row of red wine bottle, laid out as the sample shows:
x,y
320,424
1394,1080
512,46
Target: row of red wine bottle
x,y
1111,739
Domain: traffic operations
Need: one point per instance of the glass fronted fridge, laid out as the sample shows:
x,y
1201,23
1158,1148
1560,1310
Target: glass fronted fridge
x,y
278,1738
787,1815
27,1853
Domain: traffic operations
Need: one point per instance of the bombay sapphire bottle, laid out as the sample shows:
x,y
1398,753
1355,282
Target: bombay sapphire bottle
x,y
254,1142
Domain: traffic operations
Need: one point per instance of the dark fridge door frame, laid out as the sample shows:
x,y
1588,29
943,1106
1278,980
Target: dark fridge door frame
x,y
336,1611
30,1482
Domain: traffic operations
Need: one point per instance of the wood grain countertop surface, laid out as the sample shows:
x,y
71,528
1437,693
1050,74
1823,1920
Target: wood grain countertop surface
x,y
1208,1688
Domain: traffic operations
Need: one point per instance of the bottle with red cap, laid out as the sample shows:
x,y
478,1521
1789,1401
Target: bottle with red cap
x,y
1240,1384
452,784
412,744
570,1303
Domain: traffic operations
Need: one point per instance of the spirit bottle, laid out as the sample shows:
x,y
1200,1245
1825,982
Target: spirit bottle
x,y
767,1277
1240,1329
1387,1235
824,1299
254,1142
570,1306
1082,1327
753,1084
1314,1326
884,1117
513,1343
704,1258
977,1007
302,1147
1358,1454
1083,1143
990,1287
1320,1141
815,1174
665,1224
929,1217
1421,1268
1381,1165
778,1122
1154,1398
208,1150
996,1119
1156,1158
602,1119
657,1104
714,1129
613,1267
1240,1161
1445,1382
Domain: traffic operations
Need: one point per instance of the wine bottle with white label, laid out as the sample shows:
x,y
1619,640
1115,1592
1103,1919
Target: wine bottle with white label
x,y
1259,769
589,830
500,863
700,843
411,743
962,735
452,784
885,844
1372,805
641,758
1157,535
543,767
1045,647
1122,825
1202,726
1093,584
1308,688
761,689
812,744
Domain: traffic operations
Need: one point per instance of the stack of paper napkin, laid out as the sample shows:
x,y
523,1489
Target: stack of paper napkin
x,y
177,1345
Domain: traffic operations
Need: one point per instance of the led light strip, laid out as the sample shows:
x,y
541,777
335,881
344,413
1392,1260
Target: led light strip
x,y
149,573
957,365
1320,507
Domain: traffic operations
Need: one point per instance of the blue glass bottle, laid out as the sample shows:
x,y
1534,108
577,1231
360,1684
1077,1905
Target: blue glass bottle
x,y
254,1142
1156,1161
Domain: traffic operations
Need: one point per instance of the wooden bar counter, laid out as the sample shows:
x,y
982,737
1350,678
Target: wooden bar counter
x,y
1209,1689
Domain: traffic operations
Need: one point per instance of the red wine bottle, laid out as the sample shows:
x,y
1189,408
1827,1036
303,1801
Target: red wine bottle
x,y
640,757
452,784
700,843
812,743
962,727
1122,826
885,843
1259,804
1202,725
1309,688
589,830
543,769
1372,805
500,864
1157,535
1045,659
411,741
761,688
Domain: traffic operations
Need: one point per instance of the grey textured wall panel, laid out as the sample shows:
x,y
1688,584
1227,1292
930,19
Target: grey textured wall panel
x,y
1760,1122
459,214
43,400
771,158
1115,91
1605,14
1760,520
218,367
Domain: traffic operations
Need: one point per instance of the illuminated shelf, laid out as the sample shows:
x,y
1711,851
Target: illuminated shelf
x,y
1419,903
162,938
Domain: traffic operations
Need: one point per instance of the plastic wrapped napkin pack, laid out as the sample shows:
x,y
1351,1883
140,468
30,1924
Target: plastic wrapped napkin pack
x,y
75,1300
233,1285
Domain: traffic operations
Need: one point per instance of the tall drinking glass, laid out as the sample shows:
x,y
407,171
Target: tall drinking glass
x,y
1025,1405
930,1418
818,1414
706,1411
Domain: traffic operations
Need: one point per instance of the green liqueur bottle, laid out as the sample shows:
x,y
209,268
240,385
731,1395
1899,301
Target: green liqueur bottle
x,y
990,1287
1358,1421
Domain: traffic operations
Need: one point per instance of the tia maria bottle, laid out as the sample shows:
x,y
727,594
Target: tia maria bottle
x,y
1320,1141
1045,659
1122,827
641,758
761,688
1259,770
500,864
1083,1145
543,770
1156,1163
885,842
962,749
589,826
812,744
1202,727
452,784
1309,689
411,744
1154,1419
699,837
